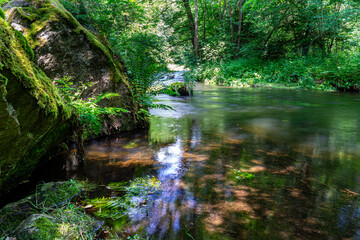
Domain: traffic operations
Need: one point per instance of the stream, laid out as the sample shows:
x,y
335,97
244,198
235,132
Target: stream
x,y
302,149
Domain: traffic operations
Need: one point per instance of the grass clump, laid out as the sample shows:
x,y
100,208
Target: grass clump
x,y
48,214
67,222
54,194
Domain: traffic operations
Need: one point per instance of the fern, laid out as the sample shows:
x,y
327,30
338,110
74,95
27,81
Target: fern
x,y
89,112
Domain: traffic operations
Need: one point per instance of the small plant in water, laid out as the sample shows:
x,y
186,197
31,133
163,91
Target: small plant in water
x,y
240,176
137,194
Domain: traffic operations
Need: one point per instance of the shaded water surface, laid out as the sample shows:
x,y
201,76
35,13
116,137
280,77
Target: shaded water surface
x,y
302,147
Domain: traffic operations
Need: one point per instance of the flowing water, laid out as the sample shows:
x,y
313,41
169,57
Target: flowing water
x,y
301,147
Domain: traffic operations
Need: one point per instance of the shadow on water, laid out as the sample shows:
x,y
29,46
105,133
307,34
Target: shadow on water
x,y
303,149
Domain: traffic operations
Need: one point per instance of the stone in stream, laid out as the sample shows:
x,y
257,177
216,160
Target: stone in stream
x,y
180,88
63,48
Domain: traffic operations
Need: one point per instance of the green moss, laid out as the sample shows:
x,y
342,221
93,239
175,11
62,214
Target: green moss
x,y
14,59
25,44
2,14
3,80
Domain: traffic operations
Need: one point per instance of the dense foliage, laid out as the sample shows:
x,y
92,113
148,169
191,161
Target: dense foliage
x,y
314,41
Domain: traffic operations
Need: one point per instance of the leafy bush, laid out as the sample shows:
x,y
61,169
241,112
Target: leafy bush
x,y
143,56
339,71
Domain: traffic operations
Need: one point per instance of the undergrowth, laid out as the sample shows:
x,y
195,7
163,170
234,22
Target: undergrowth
x,y
336,72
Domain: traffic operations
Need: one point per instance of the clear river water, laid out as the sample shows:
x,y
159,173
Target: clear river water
x,y
301,147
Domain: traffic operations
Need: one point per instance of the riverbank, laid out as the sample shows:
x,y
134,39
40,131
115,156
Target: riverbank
x,y
335,73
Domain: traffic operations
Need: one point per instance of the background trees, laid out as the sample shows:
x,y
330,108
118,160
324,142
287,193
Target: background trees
x,y
199,32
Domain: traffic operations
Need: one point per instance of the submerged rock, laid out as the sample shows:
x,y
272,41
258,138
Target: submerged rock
x,y
62,47
34,119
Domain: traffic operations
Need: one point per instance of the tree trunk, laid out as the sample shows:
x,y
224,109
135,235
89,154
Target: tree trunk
x,y
231,24
273,30
205,11
220,10
193,27
196,32
240,4
305,41
224,14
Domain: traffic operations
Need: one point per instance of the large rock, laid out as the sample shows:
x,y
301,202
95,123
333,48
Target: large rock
x,y
62,47
33,117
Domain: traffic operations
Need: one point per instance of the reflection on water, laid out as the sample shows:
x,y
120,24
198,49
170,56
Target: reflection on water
x,y
302,147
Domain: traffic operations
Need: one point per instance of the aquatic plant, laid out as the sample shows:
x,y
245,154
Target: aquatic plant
x,y
137,194
240,176
132,145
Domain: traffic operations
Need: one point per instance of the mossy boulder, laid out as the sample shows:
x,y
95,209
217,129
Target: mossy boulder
x,y
34,119
180,88
48,214
30,227
62,47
